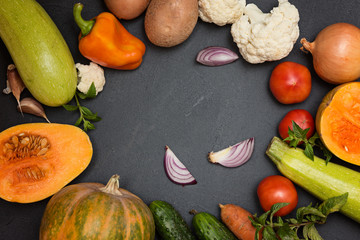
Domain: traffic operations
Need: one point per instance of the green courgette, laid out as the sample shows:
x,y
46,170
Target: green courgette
x,y
208,227
168,222
39,51
321,180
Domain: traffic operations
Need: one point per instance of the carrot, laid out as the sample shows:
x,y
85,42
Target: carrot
x,y
237,220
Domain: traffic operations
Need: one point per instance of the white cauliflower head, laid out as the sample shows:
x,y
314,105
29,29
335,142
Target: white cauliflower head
x,y
221,12
266,36
88,74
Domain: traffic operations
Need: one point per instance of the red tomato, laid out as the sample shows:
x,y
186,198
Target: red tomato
x,y
302,118
277,189
290,82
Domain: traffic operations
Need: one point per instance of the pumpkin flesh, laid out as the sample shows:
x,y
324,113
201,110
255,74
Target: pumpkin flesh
x,y
338,122
38,159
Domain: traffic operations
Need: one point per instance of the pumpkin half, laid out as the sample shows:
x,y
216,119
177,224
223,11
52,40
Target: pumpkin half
x,y
38,159
94,211
338,122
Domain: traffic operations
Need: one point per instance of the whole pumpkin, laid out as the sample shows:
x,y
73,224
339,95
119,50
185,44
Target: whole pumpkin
x,y
94,211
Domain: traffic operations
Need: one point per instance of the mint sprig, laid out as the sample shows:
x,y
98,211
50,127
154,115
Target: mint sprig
x,y
86,115
306,218
298,135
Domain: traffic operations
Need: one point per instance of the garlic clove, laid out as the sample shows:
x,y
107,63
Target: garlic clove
x,y
7,90
16,84
31,106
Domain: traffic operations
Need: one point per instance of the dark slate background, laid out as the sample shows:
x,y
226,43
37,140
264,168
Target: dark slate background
x,y
172,100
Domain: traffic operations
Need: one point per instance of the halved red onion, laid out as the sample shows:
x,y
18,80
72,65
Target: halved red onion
x,y
234,156
216,56
175,170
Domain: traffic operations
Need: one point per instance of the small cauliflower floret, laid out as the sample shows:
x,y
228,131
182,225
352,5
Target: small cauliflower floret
x,y
88,74
221,12
266,36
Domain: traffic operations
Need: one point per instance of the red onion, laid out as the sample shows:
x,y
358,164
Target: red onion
x,y
234,156
216,56
175,170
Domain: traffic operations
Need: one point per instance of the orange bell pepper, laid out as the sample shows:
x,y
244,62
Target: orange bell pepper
x,y
105,41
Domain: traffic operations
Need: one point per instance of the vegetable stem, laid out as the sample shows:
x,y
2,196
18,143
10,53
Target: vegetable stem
x,y
276,150
79,107
112,187
84,25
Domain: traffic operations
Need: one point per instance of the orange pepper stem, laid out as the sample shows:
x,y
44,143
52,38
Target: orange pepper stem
x,y
85,26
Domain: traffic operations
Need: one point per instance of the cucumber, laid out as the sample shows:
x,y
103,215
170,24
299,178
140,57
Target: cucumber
x,y
321,180
39,51
208,227
168,222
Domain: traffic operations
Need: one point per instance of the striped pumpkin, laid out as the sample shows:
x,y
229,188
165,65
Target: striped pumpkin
x,y
94,211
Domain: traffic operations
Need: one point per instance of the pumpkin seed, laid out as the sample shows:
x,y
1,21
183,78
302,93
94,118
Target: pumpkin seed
x,y
15,140
43,142
42,151
34,173
23,146
25,141
28,175
9,146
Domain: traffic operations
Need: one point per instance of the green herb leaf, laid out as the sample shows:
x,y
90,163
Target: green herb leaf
x,y
298,131
276,207
70,107
88,125
315,214
327,154
91,93
286,233
94,117
86,115
81,95
257,234
306,218
298,135
78,121
263,217
254,221
313,139
309,151
269,233
305,232
333,204
86,111
311,232
292,221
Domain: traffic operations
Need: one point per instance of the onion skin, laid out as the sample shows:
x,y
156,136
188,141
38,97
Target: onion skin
x,y
336,53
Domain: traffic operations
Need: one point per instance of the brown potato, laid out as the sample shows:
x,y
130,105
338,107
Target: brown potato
x,y
170,22
127,9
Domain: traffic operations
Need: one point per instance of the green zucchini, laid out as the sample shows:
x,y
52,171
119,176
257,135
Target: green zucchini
x,y
39,51
321,180
208,227
168,222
